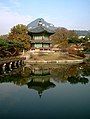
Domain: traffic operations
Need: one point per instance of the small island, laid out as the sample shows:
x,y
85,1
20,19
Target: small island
x,y
42,42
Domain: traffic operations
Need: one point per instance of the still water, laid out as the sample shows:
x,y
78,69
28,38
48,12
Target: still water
x,y
46,92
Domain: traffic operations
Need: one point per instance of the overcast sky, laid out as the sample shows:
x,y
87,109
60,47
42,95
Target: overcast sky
x,y
71,14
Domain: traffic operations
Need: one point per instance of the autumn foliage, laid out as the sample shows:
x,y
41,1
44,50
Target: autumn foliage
x,y
63,36
20,33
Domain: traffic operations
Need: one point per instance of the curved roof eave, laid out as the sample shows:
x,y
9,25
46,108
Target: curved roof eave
x,y
41,29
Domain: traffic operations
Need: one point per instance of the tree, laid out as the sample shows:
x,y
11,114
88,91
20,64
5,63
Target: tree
x,y
19,33
72,37
4,37
63,36
60,37
9,48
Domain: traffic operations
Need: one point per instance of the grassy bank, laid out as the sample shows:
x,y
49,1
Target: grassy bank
x,y
53,56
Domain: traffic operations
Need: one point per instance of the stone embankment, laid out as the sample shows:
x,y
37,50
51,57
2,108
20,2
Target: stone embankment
x,y
55,61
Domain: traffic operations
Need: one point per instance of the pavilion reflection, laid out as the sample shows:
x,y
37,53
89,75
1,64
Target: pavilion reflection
x,y
39,78
40,85
40,71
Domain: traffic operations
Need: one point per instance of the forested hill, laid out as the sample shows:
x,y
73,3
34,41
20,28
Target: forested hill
x,y
82,32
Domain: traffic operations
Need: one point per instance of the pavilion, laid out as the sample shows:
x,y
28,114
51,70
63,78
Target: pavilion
x,y
40,32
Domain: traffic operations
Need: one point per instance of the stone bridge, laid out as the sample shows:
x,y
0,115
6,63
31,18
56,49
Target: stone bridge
x,y
10,63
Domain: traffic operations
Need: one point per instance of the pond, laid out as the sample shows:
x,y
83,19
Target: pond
x,y
46,92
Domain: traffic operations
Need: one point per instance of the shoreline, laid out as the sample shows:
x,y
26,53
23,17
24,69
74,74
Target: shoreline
x,y
55,61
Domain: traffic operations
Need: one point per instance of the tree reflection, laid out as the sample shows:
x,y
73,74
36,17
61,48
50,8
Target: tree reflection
x,y
74,80
19,76
71,73
86,69
43,74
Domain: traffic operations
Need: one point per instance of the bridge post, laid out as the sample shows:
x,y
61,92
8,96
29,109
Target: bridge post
x,y
10,66
22,62
23,69
15,64
4,68
19,62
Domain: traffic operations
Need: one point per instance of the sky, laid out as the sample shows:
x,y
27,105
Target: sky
x,y
71,14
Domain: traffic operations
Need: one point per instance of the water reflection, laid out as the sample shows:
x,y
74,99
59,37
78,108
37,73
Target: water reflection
x,y
40,85
74,80
44,77
61,89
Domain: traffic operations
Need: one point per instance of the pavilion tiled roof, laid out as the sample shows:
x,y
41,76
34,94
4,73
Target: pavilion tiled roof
x,y
40,25
40,29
